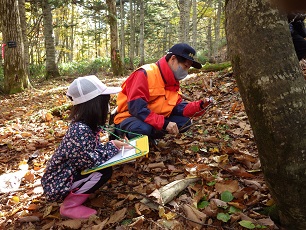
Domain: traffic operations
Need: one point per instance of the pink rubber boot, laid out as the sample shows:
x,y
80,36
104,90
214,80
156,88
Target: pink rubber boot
x,y
72,207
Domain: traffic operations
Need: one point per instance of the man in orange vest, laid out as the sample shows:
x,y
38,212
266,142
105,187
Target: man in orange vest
x,y
150,102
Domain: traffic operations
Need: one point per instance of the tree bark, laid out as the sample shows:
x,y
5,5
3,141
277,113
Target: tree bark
x,y
115,56
15,73
23,20
122,33
141,34
184,7
71,37
217,42
273,90
51,66
194,24
209,41
132,35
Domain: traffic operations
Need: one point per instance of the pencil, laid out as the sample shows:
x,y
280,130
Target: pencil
x,y
122,151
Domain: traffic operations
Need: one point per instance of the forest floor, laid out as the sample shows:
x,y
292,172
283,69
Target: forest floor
x,y
218,149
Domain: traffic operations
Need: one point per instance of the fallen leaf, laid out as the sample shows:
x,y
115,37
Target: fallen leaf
x,y
32,207
48,117
195,215
137,223
168,216
100,226
71,224
29,177
117,216
228,185
29,219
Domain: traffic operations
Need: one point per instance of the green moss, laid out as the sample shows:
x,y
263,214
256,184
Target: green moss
x,y
216,67
16,90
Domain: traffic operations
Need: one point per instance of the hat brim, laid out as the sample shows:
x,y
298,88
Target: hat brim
x,y
111,90
195,64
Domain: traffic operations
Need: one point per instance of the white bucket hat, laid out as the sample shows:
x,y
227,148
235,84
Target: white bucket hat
x,y
86,88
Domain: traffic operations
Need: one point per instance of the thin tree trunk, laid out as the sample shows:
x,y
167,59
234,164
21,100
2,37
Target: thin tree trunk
x,y
217,30
273,90
23,22
122,31
115,56
51,66
194,24
71,37
132,35
15,73
209,40
141,35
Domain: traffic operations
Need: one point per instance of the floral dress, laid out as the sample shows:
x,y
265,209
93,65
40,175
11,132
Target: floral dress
x,y
80,149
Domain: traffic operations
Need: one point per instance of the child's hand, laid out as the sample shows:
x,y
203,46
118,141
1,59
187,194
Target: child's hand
x,y
120,144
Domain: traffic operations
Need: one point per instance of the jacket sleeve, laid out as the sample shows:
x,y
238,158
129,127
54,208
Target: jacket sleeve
x,y
195,108
89,151
138,96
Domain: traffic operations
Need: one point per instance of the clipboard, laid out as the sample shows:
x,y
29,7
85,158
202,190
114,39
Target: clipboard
x,y
141,148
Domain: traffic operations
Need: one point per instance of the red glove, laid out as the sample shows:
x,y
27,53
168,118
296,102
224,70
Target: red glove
x,y
196,108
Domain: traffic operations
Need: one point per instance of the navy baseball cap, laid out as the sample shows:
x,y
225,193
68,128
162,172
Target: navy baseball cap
x,y
186,51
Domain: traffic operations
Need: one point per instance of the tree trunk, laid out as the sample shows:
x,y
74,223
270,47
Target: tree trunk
x,y
122,33
194,24
51,66
209,40
217,42
115,56
71,37
184,7
132,35
273,90
141,35
23,23
15,73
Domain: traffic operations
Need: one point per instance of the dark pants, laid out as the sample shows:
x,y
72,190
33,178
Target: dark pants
x,y
134,125
299,45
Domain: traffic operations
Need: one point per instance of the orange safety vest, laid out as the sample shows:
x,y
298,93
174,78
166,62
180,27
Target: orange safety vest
x,y
161,101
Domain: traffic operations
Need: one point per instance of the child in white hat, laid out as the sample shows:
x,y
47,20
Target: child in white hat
x,y
81,149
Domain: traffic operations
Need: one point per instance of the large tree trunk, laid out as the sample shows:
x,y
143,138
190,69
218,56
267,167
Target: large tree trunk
x,y
184,7
273,90
115,56
51,66
15,73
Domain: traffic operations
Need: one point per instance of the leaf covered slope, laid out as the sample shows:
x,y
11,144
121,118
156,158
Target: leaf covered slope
x,y
218,149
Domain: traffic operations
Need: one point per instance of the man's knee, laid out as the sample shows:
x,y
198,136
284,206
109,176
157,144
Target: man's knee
x,y
134,126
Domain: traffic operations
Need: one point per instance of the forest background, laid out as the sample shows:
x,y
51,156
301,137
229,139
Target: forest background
x,y
83,37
